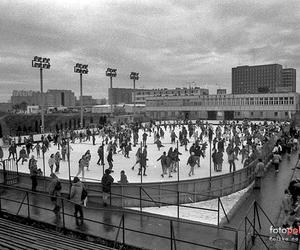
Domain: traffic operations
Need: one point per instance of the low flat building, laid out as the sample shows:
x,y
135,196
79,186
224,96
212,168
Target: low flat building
x,y
53,97
274,106
128,95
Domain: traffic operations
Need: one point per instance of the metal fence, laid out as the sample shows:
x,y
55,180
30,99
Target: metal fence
x,y
124,228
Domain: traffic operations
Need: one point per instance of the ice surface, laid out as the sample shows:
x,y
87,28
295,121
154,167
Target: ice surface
x,y
153,171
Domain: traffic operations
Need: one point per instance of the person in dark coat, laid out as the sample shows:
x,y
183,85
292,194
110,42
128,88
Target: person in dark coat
x,y
101,155
22,155
33,173
54,191
123,178
110,160
106,181
1,153
76,198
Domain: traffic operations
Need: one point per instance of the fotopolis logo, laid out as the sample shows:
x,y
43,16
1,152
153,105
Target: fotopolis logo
x,y
284,234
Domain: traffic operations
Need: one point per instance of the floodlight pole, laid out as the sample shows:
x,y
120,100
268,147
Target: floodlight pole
x,y
81,103
42,102
111,104
134,111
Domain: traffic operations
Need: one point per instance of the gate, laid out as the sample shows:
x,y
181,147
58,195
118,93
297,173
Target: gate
x,y
9,172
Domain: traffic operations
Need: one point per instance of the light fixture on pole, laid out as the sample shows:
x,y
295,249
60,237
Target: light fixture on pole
x,y
41,63
134,76
111,73
81,69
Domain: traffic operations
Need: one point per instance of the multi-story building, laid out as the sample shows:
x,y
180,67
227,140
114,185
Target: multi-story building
x,y
25,96
52,98
221,91
271,78
275,106
119,95
123,95
57,97
288,83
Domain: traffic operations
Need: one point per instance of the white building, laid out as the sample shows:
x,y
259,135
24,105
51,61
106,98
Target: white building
x,y
276,106
33,109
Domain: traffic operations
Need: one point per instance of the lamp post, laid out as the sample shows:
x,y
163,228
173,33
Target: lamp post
x,y
41,63
134,76
111,73
81,69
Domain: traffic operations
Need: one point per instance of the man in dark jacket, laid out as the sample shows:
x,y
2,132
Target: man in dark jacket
x,y
106,181
76,198
101,155
32,165
54,191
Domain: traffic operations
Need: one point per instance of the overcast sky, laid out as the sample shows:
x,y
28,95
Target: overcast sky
x,y
170,43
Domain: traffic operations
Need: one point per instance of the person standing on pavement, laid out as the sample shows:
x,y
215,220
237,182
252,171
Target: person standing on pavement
x,y
54,191
259,172
276,161
1,153
32,165
106,181
76,198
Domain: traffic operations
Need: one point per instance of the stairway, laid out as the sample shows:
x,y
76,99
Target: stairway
x,y
17,236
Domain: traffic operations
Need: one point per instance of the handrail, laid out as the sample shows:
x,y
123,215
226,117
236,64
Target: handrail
x,y
220,201
86,219
149,196
115,209
21,204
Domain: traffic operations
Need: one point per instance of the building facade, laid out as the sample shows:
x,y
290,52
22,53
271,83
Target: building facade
x,y
120,95
288,83
275,106
271,78
52,98
57,97
126,96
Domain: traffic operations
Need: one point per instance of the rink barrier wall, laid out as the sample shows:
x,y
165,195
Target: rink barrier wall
x,y
163,193
158,193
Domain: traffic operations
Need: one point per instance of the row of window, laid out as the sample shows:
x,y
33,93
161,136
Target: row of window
x,y
256,101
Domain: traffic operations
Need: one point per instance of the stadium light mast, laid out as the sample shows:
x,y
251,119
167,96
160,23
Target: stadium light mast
x,y
134,76
111,73
81,69
41,63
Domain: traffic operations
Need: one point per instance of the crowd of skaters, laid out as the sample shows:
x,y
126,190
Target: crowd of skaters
x,y
243,139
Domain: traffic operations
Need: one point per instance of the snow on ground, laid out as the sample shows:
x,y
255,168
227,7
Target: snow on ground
x,y
121,163
196,214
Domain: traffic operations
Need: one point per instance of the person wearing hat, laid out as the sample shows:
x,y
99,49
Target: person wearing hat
x,y
106,181
76,198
